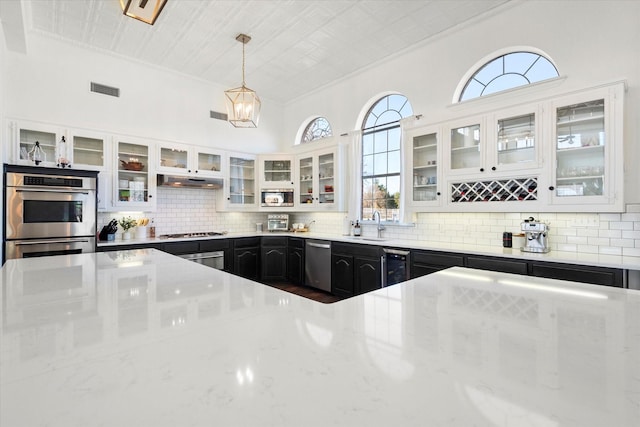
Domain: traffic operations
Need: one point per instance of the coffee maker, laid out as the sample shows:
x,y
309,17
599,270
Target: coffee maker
x,y
535,236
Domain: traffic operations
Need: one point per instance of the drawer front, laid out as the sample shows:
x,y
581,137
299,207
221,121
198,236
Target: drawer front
x,y
280,241
495,264
246,242
579,273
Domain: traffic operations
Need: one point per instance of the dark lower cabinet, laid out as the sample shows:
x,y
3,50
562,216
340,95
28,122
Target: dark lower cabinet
x,y
579,273
273,259
427,262
498,264
342,275
295,261
355,269
129,247
246,257
367,274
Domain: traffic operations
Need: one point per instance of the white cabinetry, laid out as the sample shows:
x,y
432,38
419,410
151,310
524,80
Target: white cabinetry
x,y
424,160
180,159
239,192
26,135
321,179
587,162
276,171
134,176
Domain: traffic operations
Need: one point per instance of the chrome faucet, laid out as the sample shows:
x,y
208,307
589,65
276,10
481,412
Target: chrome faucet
x,y
380,226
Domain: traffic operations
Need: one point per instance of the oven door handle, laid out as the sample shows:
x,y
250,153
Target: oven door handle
x,y
30,190
41,242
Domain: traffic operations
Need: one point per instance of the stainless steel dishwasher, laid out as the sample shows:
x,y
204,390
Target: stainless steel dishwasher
x,y
210,259
317,264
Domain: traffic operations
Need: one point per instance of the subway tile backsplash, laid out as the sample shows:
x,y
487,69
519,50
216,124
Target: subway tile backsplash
x,y
194,210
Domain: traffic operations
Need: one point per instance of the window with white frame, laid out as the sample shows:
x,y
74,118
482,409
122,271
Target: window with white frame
x,y
381,157
318,128
508,71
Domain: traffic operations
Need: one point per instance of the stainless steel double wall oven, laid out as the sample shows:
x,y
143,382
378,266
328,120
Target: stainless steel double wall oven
x,y
48,211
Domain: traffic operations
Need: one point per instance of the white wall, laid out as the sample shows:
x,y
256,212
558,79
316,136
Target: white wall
x,y
51,84
591,42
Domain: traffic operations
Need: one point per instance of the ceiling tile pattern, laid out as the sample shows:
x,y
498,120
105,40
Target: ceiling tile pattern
x,y
297,46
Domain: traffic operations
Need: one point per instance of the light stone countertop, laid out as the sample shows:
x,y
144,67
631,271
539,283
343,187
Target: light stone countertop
x,y
600,260
143,338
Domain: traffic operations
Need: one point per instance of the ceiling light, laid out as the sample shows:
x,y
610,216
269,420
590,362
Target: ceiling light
x,y
243,104
143,10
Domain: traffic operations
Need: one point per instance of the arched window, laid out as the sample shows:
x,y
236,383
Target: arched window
x,y
381,157
506,72
316,129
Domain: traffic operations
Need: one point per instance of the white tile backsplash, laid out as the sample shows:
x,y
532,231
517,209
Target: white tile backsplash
x,y
194,210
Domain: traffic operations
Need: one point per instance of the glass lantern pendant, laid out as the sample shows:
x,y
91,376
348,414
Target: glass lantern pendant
x,y
37,154
61,159
243,104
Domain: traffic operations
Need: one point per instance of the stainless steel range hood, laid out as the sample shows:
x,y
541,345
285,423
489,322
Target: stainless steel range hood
x,y
180,181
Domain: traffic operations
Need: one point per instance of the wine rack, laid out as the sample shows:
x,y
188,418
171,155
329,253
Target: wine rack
x,y
506,190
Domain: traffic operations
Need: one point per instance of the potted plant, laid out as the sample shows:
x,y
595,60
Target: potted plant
x,y
126,224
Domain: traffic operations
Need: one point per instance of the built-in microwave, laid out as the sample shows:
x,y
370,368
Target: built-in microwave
x,y
280,197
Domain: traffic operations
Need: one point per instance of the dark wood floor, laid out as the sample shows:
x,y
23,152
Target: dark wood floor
x,y
307,292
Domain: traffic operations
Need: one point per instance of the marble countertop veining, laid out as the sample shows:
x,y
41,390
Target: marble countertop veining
x,y
601,260
143,338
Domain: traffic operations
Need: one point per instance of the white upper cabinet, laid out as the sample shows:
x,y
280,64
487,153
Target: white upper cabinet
x,y
182,159
239,192
587,160
89,149
134,174
424,160
36,144
276,171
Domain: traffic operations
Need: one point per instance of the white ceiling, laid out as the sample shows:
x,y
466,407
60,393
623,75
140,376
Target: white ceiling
x,y
297,45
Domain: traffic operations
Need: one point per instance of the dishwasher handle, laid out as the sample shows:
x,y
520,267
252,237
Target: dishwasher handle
x,y
319,245
383,271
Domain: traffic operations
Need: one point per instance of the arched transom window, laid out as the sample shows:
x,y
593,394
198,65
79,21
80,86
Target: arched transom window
x,y
381,157
318,128
507,72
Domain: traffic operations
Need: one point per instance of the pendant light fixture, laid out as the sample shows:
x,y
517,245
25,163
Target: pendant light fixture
x,y
143,10
243,104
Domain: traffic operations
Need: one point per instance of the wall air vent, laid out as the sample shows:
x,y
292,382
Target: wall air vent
x,y
105,90
219,116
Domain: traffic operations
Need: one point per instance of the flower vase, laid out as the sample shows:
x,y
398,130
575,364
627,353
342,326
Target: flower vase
x,y
126,235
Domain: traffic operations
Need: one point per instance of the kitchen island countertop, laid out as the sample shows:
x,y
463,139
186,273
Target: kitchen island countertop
x,y
143,338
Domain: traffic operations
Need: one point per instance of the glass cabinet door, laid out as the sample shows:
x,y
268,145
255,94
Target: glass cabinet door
x,y
305,182
209,162
174,159
132,173
325,178
46,141
580,149
516,140
465,147
241,181
88,151
276,171
425,167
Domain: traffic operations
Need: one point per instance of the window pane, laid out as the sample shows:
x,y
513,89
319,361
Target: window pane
x,y
473,90
489,71
367,144
380,142
396,102
394,162
388,116
504,82
519,62
393,138
367,165
380,164
542,70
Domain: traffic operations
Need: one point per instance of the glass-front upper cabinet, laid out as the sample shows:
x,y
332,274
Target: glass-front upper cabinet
x,y
188,160
319,184
134,179
36,143
425,162
88,150
466,146
242,181
276,171
587,145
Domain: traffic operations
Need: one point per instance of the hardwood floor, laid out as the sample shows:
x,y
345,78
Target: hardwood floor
x,y
307,292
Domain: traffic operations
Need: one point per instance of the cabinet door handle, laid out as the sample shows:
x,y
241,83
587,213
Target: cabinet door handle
x,y
383,265
551,187
438,193
481,169
493,168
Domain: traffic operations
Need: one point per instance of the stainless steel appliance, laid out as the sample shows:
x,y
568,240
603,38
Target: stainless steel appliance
x,y
278,222
535,239
317,264
48,211
280,197
210,259
395,266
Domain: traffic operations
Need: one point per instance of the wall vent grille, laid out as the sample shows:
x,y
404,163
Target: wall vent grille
x,y
217,115
105,90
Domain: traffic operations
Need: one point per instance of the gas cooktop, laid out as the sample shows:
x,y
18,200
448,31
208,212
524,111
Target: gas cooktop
x,y
192,235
